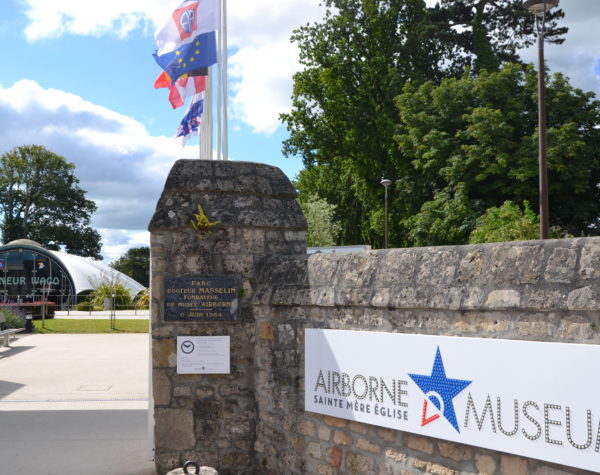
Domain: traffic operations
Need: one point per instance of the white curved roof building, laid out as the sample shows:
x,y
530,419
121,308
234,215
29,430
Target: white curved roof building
x,y
28,271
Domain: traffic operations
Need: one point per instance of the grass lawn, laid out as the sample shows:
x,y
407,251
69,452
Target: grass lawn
x,y
65,325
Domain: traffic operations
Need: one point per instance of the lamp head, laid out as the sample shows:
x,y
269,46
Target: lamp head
x,y
537,6
385,182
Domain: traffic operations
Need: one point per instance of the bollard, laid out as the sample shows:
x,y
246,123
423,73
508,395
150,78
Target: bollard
x,y
28,324
193,467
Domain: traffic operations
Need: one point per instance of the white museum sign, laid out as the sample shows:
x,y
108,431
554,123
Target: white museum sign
x,y
539,400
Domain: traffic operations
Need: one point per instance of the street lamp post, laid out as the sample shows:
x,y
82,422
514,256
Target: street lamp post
x,y
539,9
385,182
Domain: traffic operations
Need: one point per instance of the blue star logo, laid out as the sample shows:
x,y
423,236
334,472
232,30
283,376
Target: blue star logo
x,y
439,390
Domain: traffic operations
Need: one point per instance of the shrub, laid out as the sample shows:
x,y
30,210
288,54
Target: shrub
x,y
509,223
84,306
106,289
323,229
15,317
142,300
506,223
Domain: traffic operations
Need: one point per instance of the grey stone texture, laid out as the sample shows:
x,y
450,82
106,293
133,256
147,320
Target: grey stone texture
x,y
211,419
253,420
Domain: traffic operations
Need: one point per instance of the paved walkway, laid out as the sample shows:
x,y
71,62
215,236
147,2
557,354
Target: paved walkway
x,y
74,405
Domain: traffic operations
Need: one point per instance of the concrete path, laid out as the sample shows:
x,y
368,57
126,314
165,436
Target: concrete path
x,y
75,404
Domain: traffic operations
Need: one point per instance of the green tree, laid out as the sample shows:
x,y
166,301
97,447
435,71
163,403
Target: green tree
x,y
40,200
473,145
355,62
322,227
487,33
343,114
447,218
506,223
136,264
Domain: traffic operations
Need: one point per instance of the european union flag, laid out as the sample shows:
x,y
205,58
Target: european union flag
x,y
199,53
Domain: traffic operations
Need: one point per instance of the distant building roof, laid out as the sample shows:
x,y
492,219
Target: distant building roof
x,y
85,272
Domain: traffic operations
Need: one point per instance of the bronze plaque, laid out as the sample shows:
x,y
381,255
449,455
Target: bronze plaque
x,y
201,298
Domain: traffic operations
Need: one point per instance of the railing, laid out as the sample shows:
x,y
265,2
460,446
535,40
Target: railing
x,y
110,309
113,312
123,313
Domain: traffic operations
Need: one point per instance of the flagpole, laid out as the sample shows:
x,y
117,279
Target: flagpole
x,y
204,124
206,121
209,117
224,82
219,79
201,133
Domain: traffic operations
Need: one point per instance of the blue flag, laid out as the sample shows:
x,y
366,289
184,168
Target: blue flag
x,y
191,122
199,53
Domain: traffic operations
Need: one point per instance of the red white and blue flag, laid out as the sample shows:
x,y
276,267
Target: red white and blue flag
x,y
190,124
191,19
186,48
183,88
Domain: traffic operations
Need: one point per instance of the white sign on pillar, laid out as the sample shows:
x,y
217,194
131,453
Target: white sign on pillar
x,y
538,400
203,355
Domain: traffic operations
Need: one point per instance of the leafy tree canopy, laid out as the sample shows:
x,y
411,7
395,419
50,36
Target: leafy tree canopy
x,y
486,33
355,62
343,114
473,145
136,264
40,200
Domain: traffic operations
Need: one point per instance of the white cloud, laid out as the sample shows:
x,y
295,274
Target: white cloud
x,y
116,242
263,62
578,56
258,98
119,164
48,19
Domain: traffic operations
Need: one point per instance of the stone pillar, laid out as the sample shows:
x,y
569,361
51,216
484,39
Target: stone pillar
x,y
212,418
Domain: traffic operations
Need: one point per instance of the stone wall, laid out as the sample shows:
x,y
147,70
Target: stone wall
x,y
212,419
253,421
535,290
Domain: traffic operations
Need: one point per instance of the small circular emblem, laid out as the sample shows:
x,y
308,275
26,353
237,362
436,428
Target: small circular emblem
x,y
187,21
187,347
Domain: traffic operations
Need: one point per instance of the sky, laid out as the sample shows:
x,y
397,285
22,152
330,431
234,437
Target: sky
x,y
77,77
